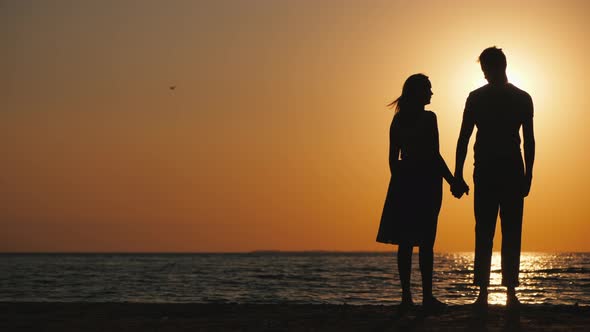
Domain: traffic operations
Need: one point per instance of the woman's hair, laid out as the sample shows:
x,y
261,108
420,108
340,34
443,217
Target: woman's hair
x,y
413,86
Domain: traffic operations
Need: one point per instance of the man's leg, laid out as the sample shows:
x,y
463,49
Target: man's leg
x,y
511,218
511,211
486,214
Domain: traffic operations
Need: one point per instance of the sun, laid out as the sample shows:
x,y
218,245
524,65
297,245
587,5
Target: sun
x,y
515,77
469,77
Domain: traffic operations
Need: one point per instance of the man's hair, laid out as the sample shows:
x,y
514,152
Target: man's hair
x,y
492,59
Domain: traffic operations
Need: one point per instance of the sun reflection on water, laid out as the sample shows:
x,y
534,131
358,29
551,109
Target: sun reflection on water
x,y
497,293
535,270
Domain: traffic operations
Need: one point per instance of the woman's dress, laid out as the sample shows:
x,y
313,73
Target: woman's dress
x,y
414,195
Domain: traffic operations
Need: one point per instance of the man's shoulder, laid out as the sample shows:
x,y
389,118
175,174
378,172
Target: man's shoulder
x,y
492,91
479,92
518,92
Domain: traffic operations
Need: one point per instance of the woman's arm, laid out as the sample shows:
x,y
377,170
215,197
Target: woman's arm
x,y
446,172
394,147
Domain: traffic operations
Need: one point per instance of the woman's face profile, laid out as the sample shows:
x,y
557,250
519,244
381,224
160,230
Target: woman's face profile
x,y
425,93
417,91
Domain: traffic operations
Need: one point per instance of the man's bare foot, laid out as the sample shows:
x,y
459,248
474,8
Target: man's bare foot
x,y
512,301
431,304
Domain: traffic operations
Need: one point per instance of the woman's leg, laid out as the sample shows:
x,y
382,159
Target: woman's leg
x,y
426,265
404,266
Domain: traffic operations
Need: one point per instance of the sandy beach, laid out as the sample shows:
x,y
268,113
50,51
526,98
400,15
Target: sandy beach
x,y
280,317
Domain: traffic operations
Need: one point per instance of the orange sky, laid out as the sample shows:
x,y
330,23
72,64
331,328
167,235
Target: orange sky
x,y
276,135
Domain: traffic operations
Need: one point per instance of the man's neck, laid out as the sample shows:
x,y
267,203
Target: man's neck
x,y
498,80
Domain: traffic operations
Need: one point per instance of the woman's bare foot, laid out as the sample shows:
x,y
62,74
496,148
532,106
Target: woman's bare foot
x,y
481,303
405,306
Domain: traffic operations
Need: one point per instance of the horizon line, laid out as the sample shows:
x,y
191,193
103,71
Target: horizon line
x,y
252,252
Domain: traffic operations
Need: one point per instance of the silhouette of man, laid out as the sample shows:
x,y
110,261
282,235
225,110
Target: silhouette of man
x,y
501,181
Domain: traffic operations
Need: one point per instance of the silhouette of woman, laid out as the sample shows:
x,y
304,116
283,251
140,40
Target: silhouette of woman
x,y
414,196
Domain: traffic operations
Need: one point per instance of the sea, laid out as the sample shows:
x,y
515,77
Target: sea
x,y
357,278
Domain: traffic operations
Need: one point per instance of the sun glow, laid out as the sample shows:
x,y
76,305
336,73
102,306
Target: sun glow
x,y
517,79
497,292
276,131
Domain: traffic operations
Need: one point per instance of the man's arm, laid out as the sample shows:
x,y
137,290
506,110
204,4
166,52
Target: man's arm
x,y
462,143
529,150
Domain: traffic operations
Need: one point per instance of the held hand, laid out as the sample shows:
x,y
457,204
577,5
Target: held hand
x,y
466,188
459,187
457,193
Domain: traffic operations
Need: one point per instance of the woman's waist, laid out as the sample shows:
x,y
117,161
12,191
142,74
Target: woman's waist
x,y
427,160
419,166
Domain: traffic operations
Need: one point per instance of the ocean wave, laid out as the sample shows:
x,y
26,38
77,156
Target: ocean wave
x,y
267,278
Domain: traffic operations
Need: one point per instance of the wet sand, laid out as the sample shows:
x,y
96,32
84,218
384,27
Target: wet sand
x,y
281,317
